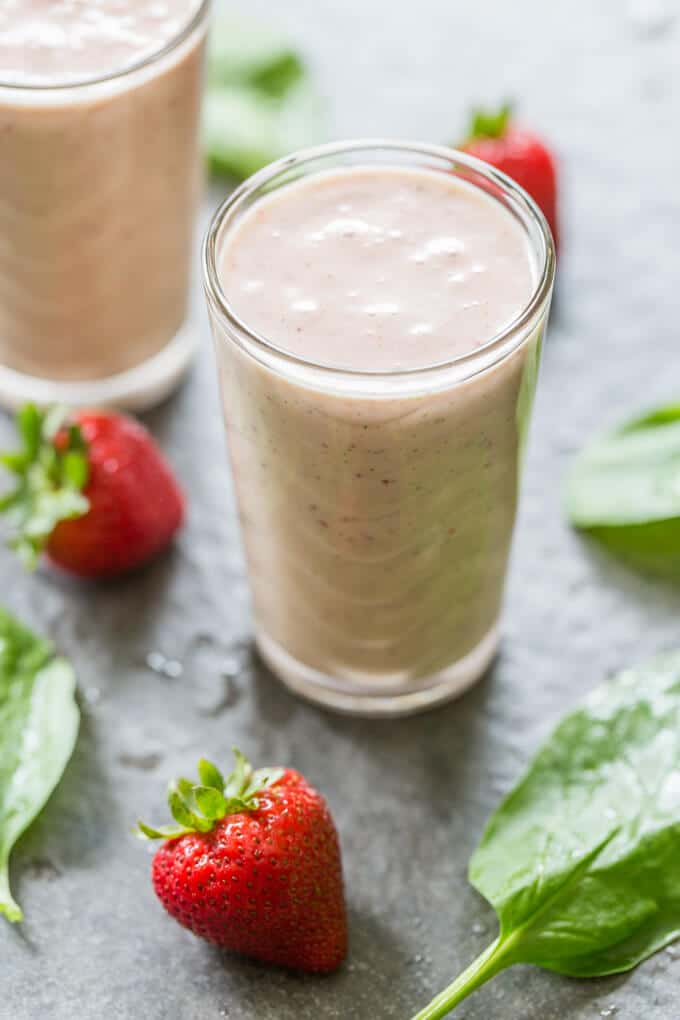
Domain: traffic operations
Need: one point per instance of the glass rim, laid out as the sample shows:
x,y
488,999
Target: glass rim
x,y
99,79
497,343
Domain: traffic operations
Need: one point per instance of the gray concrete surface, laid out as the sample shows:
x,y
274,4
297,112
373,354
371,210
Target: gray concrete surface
x,y
410,797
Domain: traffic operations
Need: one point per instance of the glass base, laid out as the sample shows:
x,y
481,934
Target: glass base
x,y
137,389
380,697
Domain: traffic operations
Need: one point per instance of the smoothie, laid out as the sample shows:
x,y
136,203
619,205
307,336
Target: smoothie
x,y
378,270
99,179
377,522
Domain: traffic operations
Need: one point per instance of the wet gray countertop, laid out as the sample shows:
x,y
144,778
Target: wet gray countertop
x,y
409,797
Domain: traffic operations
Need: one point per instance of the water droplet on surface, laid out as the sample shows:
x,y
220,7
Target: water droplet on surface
x,y
673,951
479,929
231,667
215,672
158,663
43,867
145,761
92,695
155,661
609,1010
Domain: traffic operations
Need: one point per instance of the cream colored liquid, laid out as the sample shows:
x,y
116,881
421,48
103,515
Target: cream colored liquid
x,y
99,184
377,526
52,42
378,269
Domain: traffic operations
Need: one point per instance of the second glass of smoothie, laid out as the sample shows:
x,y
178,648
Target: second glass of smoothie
x,y
378,312
99,178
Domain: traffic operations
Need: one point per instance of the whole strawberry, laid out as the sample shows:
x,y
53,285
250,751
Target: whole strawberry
x,y
254,866
93,491
519,153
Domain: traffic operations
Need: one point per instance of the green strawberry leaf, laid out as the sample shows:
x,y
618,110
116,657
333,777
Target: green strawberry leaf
x,y
198,806
162,832
14,462
238,780
210,775
76,469
29,425
211,802
185,788
182,812
51,471
260,780
490,123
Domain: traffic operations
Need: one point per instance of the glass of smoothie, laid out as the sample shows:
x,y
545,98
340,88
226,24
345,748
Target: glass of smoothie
x,y
378,311
99,178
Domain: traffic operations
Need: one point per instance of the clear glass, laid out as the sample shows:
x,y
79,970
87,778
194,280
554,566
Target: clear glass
x,y
370,598
99,181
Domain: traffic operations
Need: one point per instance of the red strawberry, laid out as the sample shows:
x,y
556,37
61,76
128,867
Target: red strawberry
x,y
254,866
520,154
93,490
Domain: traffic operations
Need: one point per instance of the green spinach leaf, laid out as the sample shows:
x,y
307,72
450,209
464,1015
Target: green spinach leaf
x,y
260,101
244,130
246,52
582,860
624,489
38,727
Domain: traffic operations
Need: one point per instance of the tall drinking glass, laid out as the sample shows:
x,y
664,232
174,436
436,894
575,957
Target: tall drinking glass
x,y
99,181
377,508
